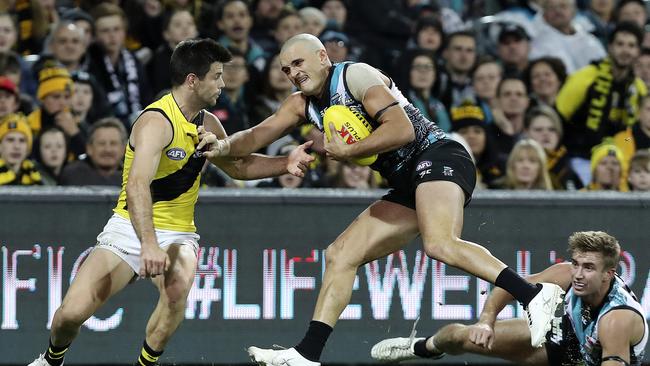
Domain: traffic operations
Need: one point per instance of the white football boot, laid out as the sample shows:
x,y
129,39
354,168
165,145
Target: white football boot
x,y
284,357
542,310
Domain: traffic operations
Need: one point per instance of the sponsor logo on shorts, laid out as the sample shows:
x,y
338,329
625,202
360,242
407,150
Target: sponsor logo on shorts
x,y
423,165
176,153
447,171
424,172
111,245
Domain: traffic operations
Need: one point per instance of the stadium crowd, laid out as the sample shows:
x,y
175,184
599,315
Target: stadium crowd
x,y
547,94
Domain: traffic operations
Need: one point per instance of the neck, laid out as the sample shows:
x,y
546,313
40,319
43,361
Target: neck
x,y
424,93
72,66
15,166
517,122
241,45
595,300
547,99
233,94
603,15
185,104
458,77
113,56
620,73
57,170
106,172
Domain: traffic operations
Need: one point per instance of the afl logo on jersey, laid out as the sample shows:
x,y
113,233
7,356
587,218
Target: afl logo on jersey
x,y
176,153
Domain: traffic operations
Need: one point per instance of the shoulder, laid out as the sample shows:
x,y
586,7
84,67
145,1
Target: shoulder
x,y
621,322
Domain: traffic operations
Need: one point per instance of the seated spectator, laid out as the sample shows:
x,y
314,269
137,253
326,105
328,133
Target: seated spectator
x,y
67,46
15,146
51,155
285,180
55,93
9,97
274,89
639,174
509,113
287,25
105,151
336,13
601,17
350,175
526,168
543,125
544,78
10,67
234,21
428,35
602,99
314,20
455,82
8,40
642,66
636,137
485,80
632,11
82,20
607,169
232,104
513,48
265,13
422,75
337,45
117,69
555,35
88,102
178,26
469,122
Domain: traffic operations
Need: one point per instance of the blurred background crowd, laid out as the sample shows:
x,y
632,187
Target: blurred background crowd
x,y
546,94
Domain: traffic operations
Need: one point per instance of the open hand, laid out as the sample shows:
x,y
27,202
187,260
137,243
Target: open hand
x,y
299,160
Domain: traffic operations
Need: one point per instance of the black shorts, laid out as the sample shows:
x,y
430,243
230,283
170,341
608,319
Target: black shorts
x,y
444,160
562,347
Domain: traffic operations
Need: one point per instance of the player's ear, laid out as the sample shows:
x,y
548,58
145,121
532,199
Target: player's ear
x,y
322,55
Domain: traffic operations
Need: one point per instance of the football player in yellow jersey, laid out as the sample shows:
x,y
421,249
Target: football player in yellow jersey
x,y
152,233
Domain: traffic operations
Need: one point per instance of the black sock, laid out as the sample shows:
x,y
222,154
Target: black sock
x,y
148,357
420,348
313,343
518,287
54,355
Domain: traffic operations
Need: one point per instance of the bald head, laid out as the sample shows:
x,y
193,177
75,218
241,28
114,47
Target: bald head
x,y
304,40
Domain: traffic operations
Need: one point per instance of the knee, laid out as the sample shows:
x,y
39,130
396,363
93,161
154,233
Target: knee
x,y
68,316
338,257
440,248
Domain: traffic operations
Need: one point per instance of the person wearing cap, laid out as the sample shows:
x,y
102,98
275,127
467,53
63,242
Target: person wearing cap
x,y
602,99
55,93
9,97
15,146
513,49
337,45
468,120
608,167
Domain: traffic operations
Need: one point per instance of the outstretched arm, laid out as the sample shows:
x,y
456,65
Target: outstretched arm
x,y
617,331
252,166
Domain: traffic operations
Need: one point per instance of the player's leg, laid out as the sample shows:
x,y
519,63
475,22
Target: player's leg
x,y
511,342
101,275
174,287
381,229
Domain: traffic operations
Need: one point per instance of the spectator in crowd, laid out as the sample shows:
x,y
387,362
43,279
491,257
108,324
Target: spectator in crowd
x,y
336,13
513,48
314,20
8,32
607,168
543,125
51,155
632,11
421,70
33,24
55,94
82,100
105,152
15,146
638,176
544,78
526,167
67,46
337,45
428,34
285,180
642,66
637,136
287,25
602,99
265,14
82,20
117,70
556,36
601,16
232,105
469,122
10,68
353,176
178,26
8,41
275,87
234,21
455,84
509,113
485,80
9,97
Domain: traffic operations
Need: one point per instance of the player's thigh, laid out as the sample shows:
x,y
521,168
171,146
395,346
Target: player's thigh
x,y
177,281
381,229
440,210
100,276
511,342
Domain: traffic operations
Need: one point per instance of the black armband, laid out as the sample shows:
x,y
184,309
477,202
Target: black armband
x,y
381,111
615,358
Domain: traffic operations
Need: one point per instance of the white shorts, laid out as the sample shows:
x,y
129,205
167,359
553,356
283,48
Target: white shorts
x,y
120,238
